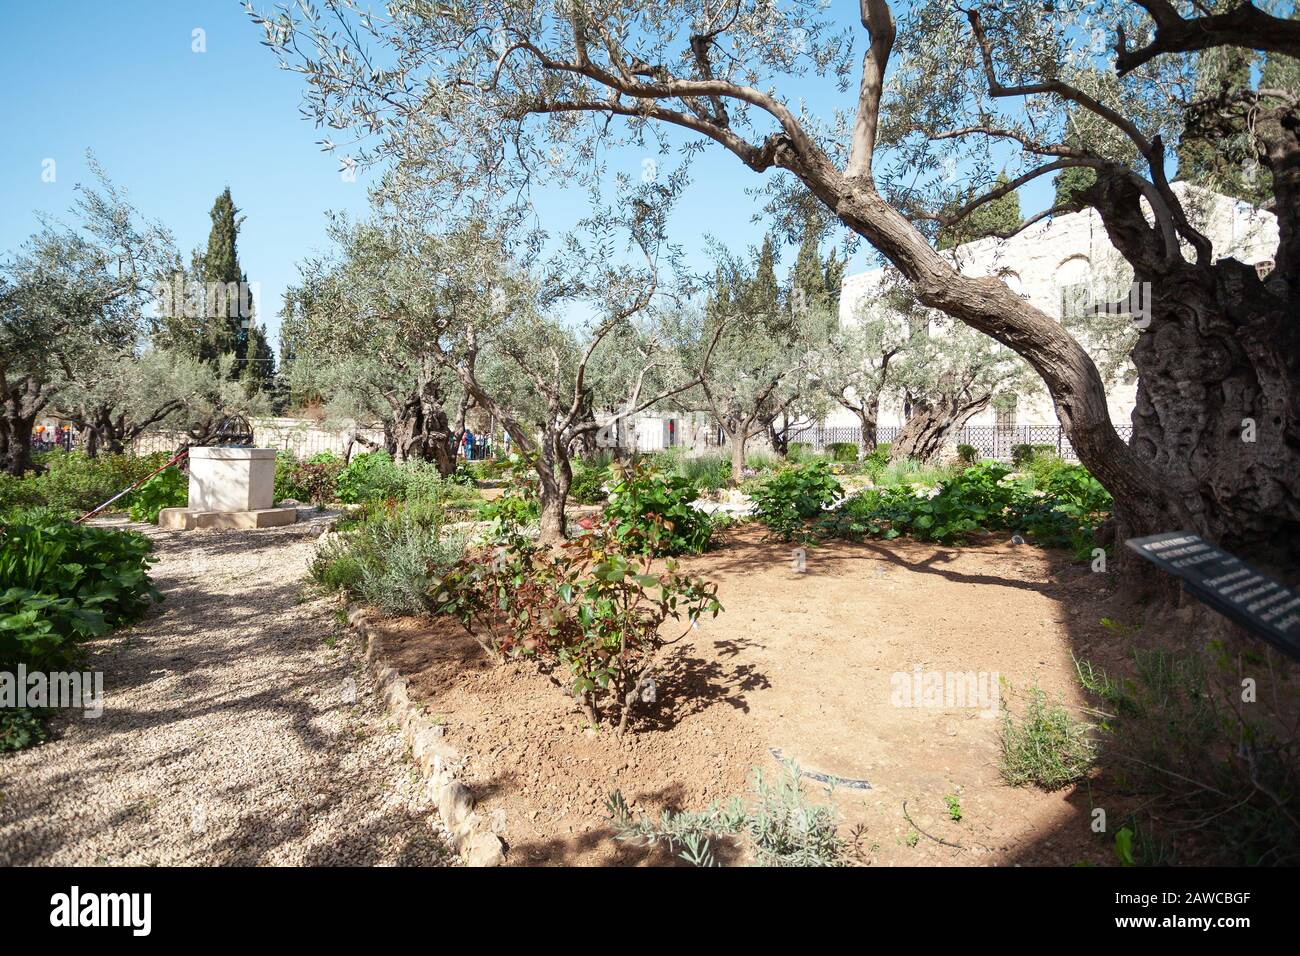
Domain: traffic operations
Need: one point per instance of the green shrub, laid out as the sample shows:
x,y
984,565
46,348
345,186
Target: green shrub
x,y
967,454
1223,776
588,487
286,467
763,461
62,583
1022,454
17,493
390,560
518,506
843,451
706,472
652,511
372,476
74,482
595,607
788,499
167,489
982,497
20,727
316,479
1046,747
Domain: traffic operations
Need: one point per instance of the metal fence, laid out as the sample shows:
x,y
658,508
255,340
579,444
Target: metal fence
x,y
989,441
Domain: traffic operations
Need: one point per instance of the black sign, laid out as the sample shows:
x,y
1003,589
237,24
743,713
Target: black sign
x,y
1229,585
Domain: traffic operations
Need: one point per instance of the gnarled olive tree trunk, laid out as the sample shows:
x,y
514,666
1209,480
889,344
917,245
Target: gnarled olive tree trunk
x,y
1218,401
422,430
21,401
932,424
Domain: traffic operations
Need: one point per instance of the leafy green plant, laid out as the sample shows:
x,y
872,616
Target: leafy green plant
x,y
594,606
21,727
1175,727
73,482
777,826
286,465
391,558
652,511
842,451
954,807
588,486
982,497
785,501
372,476
705,472
967,454
315,480
167,489
1046,746
63,583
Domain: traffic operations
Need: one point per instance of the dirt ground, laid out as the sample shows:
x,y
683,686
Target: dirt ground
x,y
806,664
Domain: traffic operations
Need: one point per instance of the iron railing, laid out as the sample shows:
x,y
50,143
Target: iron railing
x,y
989,441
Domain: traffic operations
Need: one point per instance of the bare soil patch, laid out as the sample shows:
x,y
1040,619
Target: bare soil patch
x,y
803,663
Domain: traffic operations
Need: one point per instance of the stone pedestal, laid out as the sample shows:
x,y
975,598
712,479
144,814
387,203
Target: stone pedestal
x,y
230,487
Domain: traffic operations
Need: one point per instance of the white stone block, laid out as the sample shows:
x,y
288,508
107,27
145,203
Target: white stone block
x,y
231,479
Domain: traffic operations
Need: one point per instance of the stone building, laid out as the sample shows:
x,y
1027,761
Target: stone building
x,y
1054,263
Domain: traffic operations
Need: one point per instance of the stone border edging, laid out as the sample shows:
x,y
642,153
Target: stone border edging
x,y
436,759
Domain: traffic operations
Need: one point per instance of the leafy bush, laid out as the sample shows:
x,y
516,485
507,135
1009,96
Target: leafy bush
x,y
1021,454
372,476
1046,747
286,466
983,497
17,493
757,461
391,559
62,583
651,511
594,606
518,506
778,827
967,454
167,489
793,496
73,482
588,487
20,727
843,451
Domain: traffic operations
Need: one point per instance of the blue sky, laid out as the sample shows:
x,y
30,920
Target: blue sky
x,y
121,78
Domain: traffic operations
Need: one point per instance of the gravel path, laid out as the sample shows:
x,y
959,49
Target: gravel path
x,y
239,727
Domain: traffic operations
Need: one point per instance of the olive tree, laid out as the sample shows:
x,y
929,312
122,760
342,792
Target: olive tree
x,y
73,307
461,300
499,95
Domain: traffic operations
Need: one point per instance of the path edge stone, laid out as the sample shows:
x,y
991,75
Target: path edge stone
x,y
438,762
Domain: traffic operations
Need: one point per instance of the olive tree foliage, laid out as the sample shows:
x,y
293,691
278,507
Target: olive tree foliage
x,y
123,394
73,310
368,370
749,350
497,95
946,374
460,301
858,365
